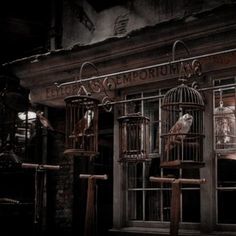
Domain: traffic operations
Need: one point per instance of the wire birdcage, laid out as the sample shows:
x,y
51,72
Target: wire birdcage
x,y
82,122
225,130
81,125
134,137
182,128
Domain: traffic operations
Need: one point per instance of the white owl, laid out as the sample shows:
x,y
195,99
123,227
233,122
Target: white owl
x,y
223,130
179,131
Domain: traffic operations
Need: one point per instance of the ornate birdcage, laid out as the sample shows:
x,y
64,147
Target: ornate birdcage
x,y
81,125
225,130
182,128
134,137
82,121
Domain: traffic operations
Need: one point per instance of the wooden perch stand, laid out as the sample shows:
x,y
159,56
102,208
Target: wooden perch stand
x,y
175,198
90,221
39,166
87,176
39,186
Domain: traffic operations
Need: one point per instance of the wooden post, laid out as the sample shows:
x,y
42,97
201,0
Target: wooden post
x,y
175,208
39,195
90,226
175,198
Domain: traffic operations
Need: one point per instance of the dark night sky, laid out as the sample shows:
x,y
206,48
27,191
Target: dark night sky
x,y
25,25
23,28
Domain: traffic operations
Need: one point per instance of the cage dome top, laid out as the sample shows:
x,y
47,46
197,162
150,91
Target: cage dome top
x,y
221,110
183,95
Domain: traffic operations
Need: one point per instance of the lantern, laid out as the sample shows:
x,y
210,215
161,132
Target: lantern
x,y
182,128
134,137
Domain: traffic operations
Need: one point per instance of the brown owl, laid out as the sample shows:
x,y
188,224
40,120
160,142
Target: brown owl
x,y
84,123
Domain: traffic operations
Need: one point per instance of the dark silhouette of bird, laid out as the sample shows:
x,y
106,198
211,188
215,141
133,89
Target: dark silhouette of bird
x,y
84,123
44,121
178,131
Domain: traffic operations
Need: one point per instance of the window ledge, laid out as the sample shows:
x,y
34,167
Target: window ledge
x,y
141,231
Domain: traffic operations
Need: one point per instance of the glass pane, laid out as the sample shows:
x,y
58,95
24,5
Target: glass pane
x,y
135,205
166,204
153,205
153,169
191,205
191,173
135,175
226,207
25,129
226,173
171,173
151,110
134,106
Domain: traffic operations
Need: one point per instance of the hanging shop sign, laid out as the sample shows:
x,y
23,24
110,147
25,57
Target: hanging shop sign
x,y
160,72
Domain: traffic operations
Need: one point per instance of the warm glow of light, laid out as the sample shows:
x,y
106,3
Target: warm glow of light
x,y
31,115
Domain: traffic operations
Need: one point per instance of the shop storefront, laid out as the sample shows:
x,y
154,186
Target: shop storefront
x,y
132,77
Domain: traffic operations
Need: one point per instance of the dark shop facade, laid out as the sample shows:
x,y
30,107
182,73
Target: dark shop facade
x,y
126,125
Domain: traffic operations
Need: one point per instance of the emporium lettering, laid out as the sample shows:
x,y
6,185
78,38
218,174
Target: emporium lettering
x,y
132,78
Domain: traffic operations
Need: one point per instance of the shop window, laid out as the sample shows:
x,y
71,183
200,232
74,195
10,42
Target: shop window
x,y
225,151
25,129
147,201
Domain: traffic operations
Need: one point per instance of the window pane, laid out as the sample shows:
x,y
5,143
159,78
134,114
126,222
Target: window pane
x,y
226,207
166,204
226,173
135,106
135,206
191,205
151,110
150,201
135,175
153,205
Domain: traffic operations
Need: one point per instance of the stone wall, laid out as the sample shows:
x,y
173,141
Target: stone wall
x,y
61,182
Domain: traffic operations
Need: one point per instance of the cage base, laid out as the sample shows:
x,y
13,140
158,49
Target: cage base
x,y
80,152
134,160
182,164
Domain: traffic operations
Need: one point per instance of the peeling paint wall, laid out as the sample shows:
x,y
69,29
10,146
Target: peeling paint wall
x,y
82,25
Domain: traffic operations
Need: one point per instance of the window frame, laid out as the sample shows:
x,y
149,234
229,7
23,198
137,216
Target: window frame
x,y
220,225
142,223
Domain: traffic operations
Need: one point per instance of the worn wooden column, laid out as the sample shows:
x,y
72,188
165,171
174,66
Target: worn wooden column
x,y
175,198
175,208
39,180
90,221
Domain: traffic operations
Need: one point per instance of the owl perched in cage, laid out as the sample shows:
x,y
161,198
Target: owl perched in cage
x,y
44,121
84,123
178,131
223,130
